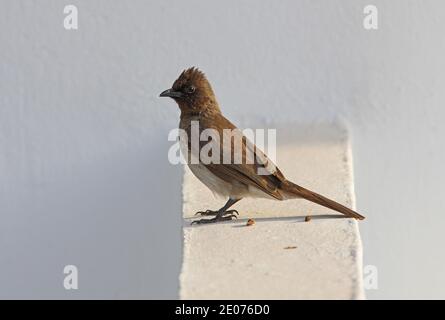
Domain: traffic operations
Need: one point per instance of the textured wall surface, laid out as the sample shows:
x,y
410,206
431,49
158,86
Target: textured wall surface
x,y
83,161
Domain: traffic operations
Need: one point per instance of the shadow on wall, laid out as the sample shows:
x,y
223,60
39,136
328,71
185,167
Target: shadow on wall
x,y
118,220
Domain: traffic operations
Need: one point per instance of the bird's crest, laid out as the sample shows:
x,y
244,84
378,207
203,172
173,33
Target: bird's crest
x,y
191,76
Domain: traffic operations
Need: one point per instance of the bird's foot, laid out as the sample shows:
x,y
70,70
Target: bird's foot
x,y
215,213
226,216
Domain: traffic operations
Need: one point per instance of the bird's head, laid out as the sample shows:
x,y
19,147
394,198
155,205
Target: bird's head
x,y
192,91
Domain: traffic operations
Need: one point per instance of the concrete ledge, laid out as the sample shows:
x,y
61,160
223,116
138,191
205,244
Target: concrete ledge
x,y
281,256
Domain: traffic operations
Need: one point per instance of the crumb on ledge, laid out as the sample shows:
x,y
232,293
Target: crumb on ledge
x,y
308,218
250,222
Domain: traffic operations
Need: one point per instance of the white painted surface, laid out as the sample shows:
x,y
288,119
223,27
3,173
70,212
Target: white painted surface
x,y
79,112
234,261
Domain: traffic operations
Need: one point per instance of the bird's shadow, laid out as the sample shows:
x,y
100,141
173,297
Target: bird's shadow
x,y
294,219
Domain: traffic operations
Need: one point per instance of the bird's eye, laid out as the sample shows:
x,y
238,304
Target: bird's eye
x,y
191,89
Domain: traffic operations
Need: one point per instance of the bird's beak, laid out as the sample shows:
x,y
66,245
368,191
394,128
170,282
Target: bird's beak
x,y
171,93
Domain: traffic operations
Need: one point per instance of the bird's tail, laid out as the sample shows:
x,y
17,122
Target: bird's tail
x,y
299,192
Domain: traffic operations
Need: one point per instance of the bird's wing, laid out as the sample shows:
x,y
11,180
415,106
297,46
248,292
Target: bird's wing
x,y
255,168
274,183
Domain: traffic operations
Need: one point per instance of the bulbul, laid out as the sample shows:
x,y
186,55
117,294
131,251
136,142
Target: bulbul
x,y
234,180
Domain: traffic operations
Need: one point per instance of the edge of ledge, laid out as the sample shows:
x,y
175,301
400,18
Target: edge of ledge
x,y
210,250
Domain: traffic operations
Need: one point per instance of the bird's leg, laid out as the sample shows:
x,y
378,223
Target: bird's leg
x,y
223,211
221,215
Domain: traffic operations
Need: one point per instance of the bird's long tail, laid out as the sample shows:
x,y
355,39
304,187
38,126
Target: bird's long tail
x,y
300,192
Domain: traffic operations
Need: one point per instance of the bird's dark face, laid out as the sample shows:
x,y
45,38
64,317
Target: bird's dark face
x,y
191,90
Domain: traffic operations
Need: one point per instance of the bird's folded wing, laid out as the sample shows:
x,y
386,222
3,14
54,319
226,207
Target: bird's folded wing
x,y
260,172
240,174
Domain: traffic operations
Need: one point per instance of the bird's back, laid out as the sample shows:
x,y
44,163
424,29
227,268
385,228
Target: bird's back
x,y
250,172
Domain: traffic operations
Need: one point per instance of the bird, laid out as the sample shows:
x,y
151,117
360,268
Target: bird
x,y
230,179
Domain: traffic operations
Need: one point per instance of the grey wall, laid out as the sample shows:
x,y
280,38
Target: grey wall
x,y
83,161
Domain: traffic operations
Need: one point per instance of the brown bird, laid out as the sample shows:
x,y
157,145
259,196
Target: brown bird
x,y
233,180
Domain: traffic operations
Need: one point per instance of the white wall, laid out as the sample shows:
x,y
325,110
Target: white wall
x,y
84,173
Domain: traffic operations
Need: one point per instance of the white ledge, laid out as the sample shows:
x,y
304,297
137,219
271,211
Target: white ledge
x,y
281,256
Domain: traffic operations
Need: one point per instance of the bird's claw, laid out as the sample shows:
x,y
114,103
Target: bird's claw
x,y
233,212
216,219
215,213
206,213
